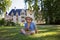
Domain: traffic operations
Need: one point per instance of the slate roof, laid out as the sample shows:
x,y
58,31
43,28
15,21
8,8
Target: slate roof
x,y
16,11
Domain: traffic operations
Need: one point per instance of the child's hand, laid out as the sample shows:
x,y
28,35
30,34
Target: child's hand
x,y
27,29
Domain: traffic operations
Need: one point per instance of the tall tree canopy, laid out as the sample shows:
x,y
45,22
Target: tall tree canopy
x,y
33,5
4,4
51,11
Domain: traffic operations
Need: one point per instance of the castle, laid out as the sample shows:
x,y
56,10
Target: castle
x,y
18,15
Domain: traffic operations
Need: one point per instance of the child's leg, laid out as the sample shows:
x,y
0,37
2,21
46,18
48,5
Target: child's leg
x,y
23,31
31,32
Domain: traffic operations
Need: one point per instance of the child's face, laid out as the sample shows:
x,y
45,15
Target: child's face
x,y
29,20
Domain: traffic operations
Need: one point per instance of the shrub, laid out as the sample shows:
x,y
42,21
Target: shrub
x,y
2,21
6,23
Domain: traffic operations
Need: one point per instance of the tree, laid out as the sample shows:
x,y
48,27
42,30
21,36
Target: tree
x,y
33,4
51,11
4,4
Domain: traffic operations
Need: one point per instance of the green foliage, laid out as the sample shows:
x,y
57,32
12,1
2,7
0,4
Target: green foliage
x,y
51,11
6,23
2,22
5,4
35,7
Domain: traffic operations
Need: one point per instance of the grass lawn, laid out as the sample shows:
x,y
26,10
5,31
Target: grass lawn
x,y
46,32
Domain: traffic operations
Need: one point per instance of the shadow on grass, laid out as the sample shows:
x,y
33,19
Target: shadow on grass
x,y
39,36
45,33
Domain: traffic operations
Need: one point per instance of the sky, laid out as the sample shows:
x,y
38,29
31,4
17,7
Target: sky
x,y
17,4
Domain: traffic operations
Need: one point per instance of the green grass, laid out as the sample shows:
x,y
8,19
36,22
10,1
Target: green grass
x,y
46,32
